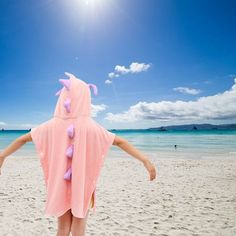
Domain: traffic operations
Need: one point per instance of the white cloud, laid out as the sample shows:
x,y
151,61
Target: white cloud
x,y
186,90
221,106
138,67
3,123
134,67
108,81
113,75
98,108
121,70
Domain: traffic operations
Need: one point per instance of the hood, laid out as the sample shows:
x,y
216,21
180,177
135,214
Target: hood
x,y
74,98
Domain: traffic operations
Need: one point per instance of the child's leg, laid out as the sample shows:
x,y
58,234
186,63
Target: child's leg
x,y
78,226
64,224
92,201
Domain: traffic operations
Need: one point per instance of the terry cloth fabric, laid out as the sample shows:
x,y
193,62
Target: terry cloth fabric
x,y
72,148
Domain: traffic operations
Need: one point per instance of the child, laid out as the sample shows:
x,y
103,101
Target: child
x,y
72,148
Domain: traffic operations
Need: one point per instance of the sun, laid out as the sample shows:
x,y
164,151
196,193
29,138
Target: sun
x,y
88,5
93,3
88,13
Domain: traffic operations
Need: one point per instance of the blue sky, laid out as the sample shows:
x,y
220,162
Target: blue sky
x,y
155,62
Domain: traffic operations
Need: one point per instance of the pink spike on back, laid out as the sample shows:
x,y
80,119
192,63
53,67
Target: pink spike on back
x,y
67,103
95,90
70,131
69,151
68,174
65,83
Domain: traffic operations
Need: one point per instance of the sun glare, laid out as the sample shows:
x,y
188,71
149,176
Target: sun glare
x,y
93,3
90,5
96,1
97,5
88,12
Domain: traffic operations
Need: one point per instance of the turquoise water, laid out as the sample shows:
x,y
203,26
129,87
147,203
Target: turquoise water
x,y
208,142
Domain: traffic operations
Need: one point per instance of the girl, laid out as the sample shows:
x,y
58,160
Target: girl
x,y
72,148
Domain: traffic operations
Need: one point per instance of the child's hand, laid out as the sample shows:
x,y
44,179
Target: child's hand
x,y
16,144
130,149
150,168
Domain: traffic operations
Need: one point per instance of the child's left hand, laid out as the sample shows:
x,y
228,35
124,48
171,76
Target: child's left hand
x,y
15,145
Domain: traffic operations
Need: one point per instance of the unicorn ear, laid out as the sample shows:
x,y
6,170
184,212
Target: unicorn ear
x,y
69,74
65,83
95,90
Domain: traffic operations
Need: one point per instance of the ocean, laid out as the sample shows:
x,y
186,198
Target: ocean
x,y
195,144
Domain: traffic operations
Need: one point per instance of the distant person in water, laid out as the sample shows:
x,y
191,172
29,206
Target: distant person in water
x,y
175,146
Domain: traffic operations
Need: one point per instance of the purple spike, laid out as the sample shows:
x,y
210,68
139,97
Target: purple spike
x,y
69,151
95,90
58,92
68,174
67,104
70,131
65,83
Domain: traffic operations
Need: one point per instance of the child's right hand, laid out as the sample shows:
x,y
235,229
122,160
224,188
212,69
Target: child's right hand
x,y
150,168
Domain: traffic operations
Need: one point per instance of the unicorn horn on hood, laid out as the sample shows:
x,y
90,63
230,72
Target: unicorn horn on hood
x,y
95,90
69,74
65,83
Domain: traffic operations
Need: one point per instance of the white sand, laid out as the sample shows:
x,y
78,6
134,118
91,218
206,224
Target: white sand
x,y
189,197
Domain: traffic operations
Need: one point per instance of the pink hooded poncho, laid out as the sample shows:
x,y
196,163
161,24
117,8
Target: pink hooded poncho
x,y
72,148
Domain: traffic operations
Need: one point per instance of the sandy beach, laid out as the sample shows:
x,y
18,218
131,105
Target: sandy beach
x,y
189,197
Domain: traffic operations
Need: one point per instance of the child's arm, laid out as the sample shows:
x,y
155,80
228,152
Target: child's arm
x,y
130,149
16,144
